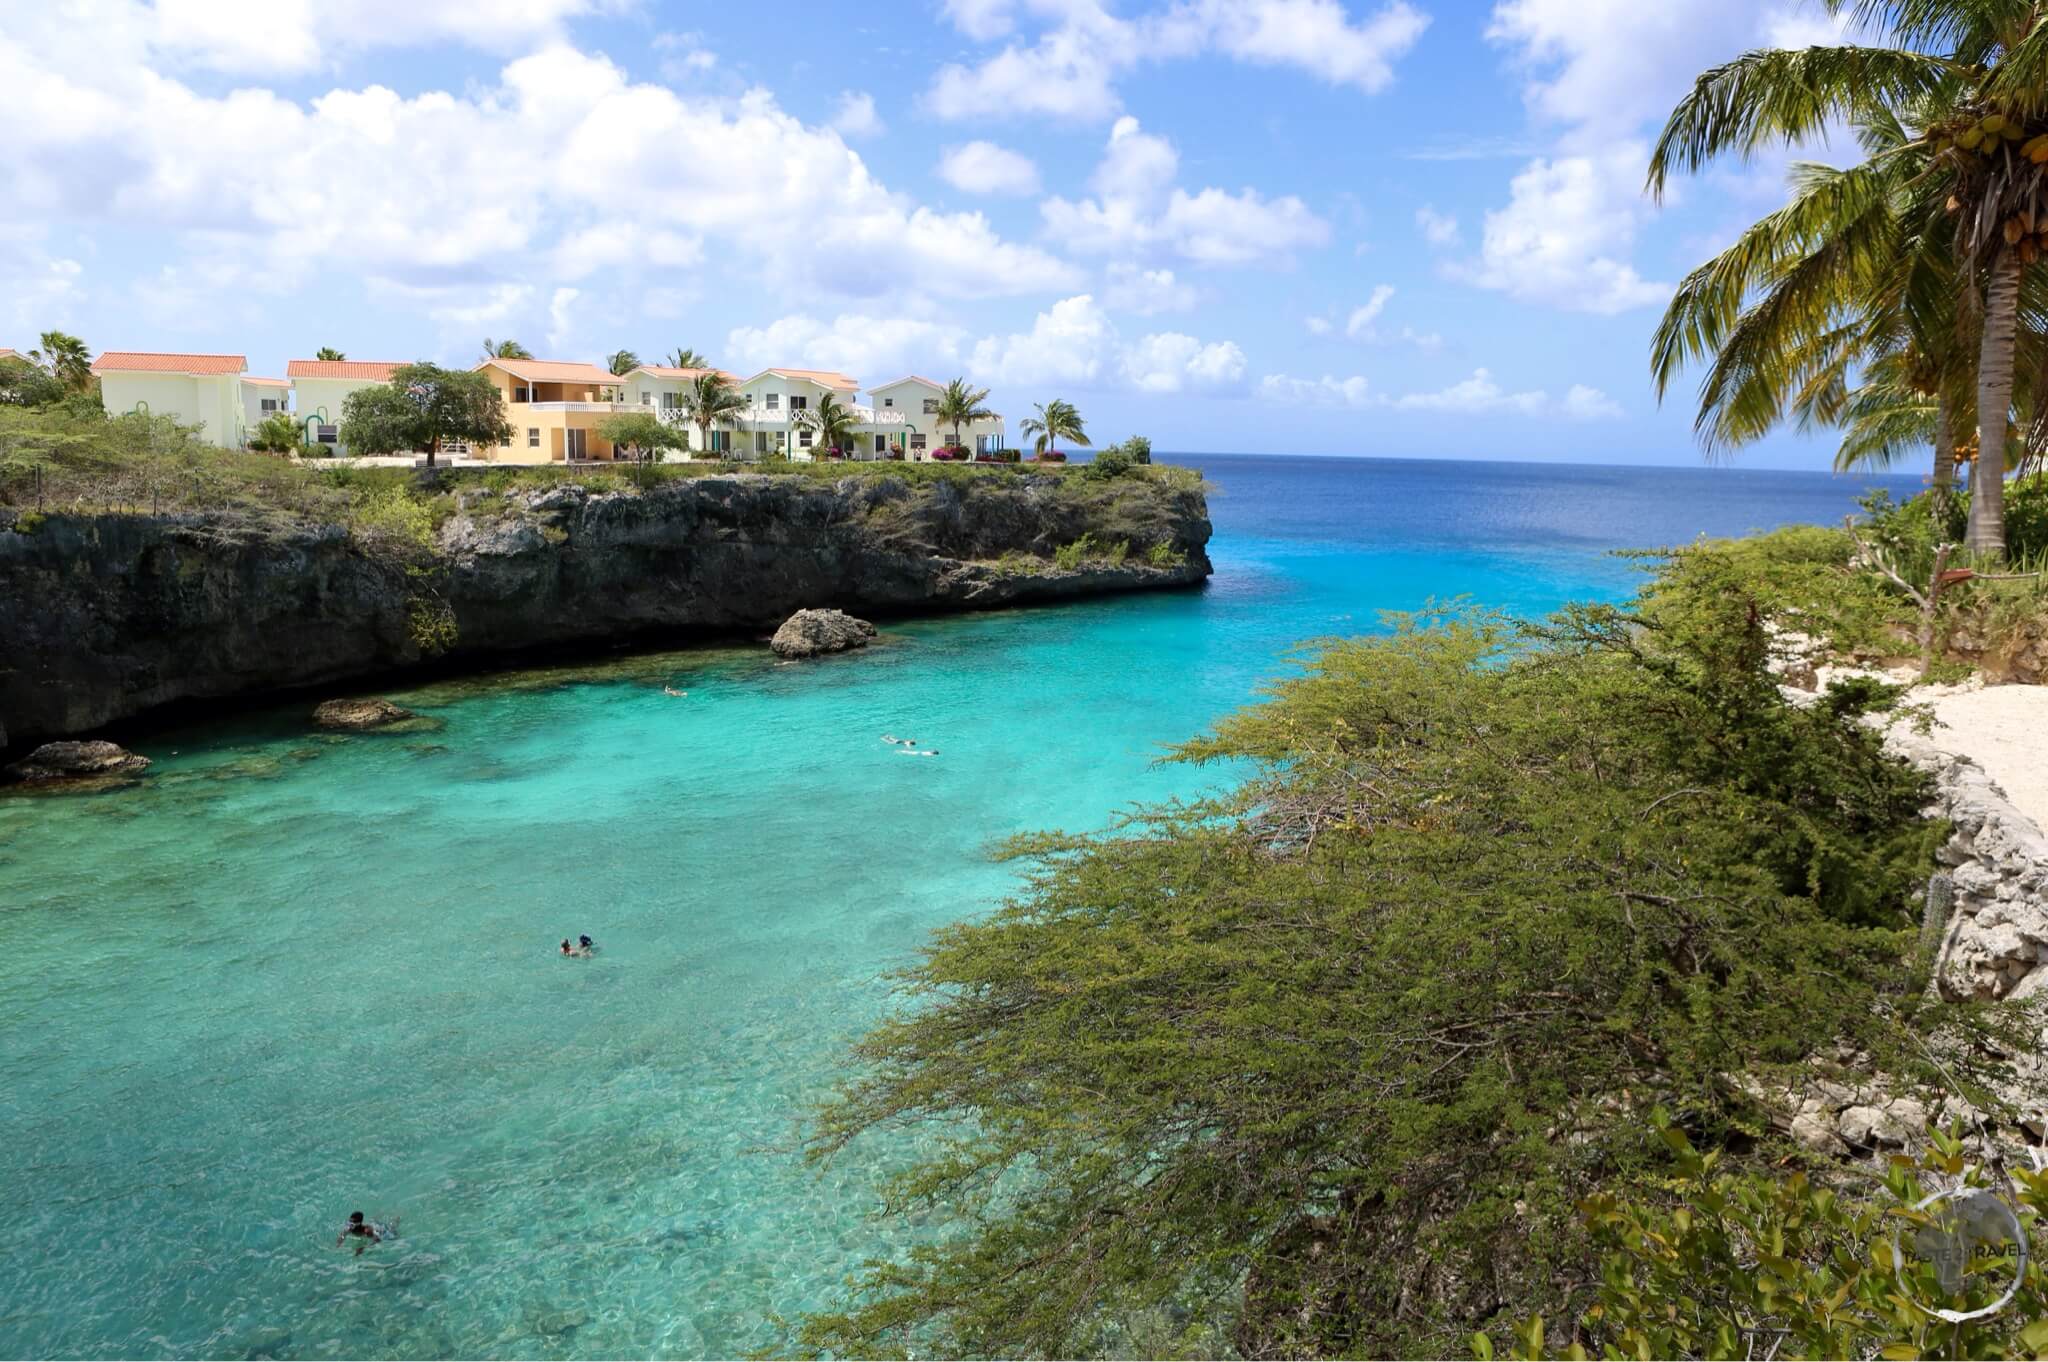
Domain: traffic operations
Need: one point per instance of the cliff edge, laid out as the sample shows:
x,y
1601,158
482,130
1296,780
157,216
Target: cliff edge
x,y
105,617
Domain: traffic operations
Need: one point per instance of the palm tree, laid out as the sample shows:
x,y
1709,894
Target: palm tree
x,y
1056,420
1857,270
711,399
831,421
328,352
961,405
505,349
67,359
1979,68
684,357
623,362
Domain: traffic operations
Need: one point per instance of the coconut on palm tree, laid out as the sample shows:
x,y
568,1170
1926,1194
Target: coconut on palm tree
x,y
711,400
1976,72
505,349
962,405
832,424
623,362
1056,420
66,358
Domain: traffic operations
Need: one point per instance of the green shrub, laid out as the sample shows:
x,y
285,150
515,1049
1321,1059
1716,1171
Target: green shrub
x,y
392,518
1325,1064
1810,1269
1071,556
1164,555
1110,463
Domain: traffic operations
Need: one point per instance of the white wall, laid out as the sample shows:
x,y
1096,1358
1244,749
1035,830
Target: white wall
x,y
310,395
212,402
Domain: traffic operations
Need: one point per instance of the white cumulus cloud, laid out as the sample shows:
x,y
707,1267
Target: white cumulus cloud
x,y
1138,210
1147,292
1359,325
855,116
985,168
107,139
1478,395
1070,70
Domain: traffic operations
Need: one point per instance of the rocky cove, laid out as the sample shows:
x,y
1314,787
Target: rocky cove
x,y
108,617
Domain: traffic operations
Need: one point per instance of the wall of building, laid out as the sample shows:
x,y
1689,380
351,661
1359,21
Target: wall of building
x,y
254,395
212,403
313,396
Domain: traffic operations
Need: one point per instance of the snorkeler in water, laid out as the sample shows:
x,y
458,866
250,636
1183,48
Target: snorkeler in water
x,y
359,1229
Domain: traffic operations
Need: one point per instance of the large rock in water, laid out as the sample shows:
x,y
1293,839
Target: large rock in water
x,y
77,761
810,632
358,714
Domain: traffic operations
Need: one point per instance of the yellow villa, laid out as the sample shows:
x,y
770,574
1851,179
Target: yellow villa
x,y
555,407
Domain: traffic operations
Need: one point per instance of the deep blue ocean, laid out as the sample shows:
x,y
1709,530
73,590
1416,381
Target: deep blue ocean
x,y
294,974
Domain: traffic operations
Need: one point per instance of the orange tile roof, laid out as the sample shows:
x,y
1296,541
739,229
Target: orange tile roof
x,y
831,378
377,370
267,382
147,362
554,371
7,352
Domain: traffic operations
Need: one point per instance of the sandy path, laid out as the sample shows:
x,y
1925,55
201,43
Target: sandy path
x,y
2004,729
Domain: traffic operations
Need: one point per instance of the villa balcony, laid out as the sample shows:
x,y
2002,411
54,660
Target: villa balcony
x,y
573,406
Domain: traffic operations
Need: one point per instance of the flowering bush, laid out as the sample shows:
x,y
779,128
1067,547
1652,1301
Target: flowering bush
x,y
1051,456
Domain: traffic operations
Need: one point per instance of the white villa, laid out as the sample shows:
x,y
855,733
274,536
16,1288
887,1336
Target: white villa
x,y
213,392
320,386
556,407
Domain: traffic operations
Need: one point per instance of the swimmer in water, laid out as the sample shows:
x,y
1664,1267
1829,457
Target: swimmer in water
x,y
569,950
891,738
586,946
360,1229
679,694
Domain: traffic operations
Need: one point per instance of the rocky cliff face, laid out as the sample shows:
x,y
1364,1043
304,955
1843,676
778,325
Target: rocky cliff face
x,y
106,617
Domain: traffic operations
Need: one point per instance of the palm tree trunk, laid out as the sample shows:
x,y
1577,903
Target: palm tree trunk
x,y
1986,537
1944,457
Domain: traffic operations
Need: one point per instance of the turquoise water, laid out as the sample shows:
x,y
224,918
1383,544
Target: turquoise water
x,y
295,975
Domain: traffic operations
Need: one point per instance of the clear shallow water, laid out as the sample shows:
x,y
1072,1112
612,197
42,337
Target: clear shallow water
x,y
293,976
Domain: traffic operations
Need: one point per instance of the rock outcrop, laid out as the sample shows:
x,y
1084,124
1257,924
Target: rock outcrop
x,y
77,761
103,617
808,633
1994,941
356,715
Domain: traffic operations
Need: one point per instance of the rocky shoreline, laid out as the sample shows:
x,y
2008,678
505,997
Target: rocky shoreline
x,y
105,618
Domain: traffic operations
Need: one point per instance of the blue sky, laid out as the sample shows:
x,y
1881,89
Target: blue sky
x,y
1400,227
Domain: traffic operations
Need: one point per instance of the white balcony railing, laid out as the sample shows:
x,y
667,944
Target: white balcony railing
x,y
574,406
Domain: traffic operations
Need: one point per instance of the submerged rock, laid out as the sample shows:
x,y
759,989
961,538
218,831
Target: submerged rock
x,y
77,761
359,714
810,632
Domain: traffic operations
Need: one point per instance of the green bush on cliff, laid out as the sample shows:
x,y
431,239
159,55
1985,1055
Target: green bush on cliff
x,y
1325,1065
1721,1264
1838,586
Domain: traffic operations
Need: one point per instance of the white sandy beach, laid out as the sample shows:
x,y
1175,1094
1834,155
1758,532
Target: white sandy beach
x,y
2004,729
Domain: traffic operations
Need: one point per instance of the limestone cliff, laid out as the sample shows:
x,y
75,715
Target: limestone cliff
x,y
106,617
